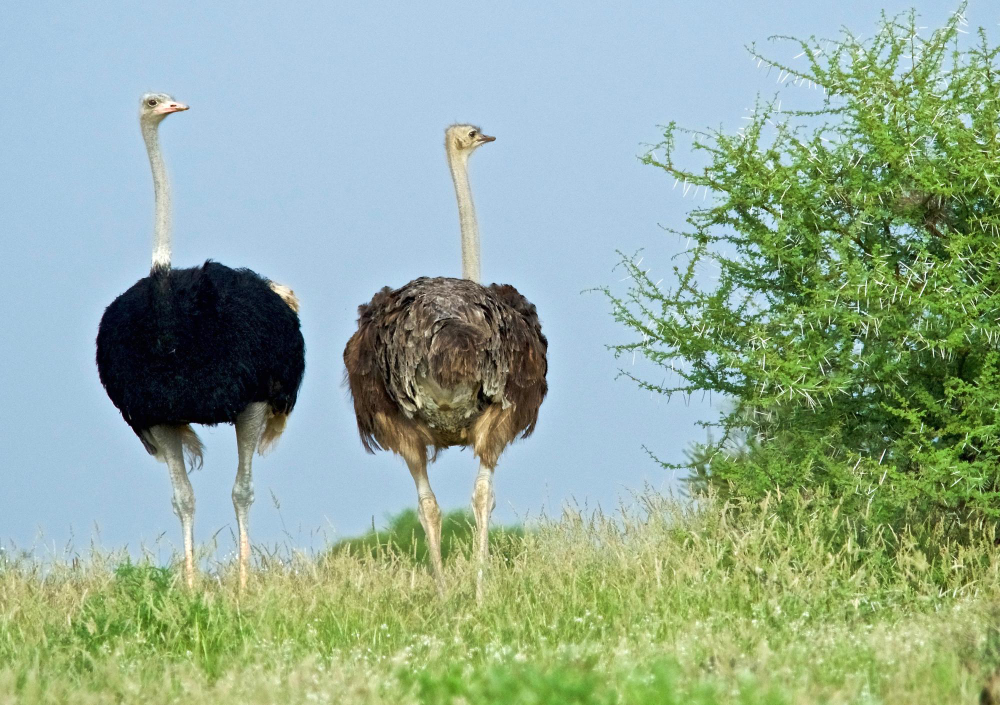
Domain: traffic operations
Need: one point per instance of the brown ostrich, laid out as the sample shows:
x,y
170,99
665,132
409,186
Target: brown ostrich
x,y
445,362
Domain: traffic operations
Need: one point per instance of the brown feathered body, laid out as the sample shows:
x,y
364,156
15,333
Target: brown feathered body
x,y
446,362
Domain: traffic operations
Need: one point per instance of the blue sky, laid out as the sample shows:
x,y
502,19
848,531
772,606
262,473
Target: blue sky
x,y
313,154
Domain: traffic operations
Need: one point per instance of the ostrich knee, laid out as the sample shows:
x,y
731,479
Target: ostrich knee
x,y
483,501
243,495
430,515
183,503
430,518
483,497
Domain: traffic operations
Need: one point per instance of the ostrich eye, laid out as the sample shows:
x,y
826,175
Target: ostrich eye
x,y
472,134
151,102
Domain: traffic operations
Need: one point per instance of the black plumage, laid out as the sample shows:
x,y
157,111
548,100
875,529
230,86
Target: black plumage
x,y
198,345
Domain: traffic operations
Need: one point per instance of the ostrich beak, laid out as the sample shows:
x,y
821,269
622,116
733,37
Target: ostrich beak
x,y
167,108
483,139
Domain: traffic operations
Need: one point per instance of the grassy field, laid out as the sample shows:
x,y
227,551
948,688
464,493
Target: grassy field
x,y
659,604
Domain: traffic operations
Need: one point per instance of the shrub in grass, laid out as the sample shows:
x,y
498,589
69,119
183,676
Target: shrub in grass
x,y
403,535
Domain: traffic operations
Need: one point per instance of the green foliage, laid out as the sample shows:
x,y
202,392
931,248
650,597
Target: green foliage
x,y
405,536
842,286
664,603
517,684
578,682
146,609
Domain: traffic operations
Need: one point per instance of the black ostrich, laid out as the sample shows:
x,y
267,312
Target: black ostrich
x,y
445,362
203,345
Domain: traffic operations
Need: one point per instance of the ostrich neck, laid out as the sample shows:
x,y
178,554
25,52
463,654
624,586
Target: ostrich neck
x,y
466,216
161,193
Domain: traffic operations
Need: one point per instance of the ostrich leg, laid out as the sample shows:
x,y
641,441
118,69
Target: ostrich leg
x,y
483,502
249,427
430,516
167,440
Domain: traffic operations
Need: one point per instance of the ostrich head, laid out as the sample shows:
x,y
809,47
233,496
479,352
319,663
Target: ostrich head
x,y
465,139
155,106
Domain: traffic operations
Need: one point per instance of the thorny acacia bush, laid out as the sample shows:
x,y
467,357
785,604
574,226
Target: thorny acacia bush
x,y
842,284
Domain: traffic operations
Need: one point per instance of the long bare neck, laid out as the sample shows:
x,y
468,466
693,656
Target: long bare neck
x,y
466,214
161,193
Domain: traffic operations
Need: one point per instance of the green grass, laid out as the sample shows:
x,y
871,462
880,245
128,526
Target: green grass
x,y
661,604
